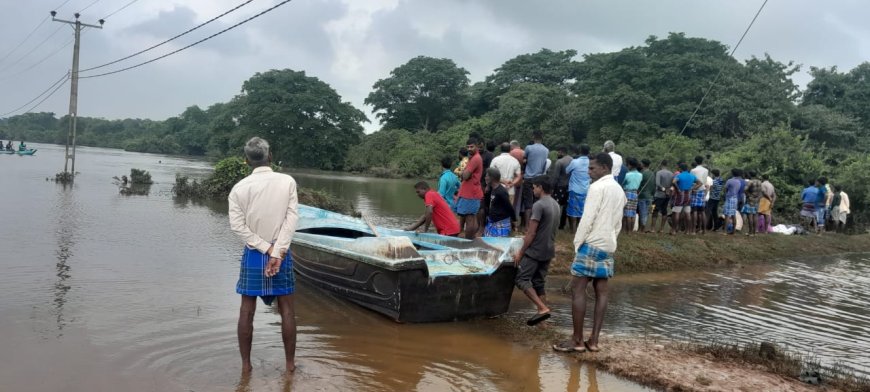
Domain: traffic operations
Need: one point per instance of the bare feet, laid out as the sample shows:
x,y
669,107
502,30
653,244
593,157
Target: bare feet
x,y
247,368
291,367
591,347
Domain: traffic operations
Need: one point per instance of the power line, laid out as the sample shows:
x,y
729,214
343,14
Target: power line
x,y
58,82
119,9
32,50
47,97
31,33
34,65
713,83
88,6
191,45
168,40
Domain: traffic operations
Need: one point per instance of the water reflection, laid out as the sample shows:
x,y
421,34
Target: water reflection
x,y
66,226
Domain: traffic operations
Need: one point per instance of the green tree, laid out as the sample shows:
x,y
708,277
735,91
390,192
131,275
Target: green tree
x,y
302,117
423,94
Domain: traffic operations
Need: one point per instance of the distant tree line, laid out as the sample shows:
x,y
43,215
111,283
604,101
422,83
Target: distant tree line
x,y
640,97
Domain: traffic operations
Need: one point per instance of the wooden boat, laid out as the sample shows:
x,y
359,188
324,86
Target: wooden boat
x,y
409,277
30,151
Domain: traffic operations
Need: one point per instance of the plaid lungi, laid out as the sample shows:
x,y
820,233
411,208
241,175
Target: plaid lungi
x,y
576,202
253,280
698,199
592,262
501,228
630,210
681,199
730,206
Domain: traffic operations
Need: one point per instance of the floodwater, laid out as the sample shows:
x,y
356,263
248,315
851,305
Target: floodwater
x,y
105,292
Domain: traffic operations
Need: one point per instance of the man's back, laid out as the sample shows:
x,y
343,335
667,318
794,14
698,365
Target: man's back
x,y
578,170
664,178
507,166
260,201
536,160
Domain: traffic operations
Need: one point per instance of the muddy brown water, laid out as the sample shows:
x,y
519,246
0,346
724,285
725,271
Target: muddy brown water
x,y
105,292
100,291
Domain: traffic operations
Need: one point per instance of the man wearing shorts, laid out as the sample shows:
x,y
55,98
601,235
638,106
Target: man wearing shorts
x,y
578,186
699,197
753,199
595,243
535,157
539,247
470,192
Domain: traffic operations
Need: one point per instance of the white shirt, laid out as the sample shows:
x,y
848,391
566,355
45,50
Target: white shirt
x,y
602,215
707,188
263,210
844,203
702,174
617,164
509,168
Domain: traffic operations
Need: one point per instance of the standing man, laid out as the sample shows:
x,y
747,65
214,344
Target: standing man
x,y
631,184
753,198
699,201
609,148
437,212
841,210
808,205
664,184
645,196
518,154
821,204
448,183
539,247
595,242
535,156
578,186
560,182
470,192
715,197
510,170
686,183
263,213
732,196
768,198
486,154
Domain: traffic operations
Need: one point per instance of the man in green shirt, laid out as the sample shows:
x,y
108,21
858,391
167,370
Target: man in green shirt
x,y
645,195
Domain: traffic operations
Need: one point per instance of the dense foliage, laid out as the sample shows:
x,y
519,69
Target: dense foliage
x,y
641,97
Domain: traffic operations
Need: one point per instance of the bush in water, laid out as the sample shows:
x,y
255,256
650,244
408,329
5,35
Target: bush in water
x,y
138,176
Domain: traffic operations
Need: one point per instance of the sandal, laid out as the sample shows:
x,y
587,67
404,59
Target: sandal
x,y
568,347
586,345
536,319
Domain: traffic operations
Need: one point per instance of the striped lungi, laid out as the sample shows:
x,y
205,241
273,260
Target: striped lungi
x,y
592,262
730,208
698,199
253,280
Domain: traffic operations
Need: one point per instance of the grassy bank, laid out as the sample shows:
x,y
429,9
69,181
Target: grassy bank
x,y
662,252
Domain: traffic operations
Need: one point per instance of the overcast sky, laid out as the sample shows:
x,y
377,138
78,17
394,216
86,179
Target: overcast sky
x,y
350,44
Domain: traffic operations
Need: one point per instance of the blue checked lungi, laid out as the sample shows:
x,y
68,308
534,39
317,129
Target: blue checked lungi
x,y
698,199
730,208
750,209
501,228
592,262
467,206
630,210
576,203
253,280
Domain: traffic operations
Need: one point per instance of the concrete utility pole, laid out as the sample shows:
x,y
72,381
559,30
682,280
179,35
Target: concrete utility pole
x,y
74,92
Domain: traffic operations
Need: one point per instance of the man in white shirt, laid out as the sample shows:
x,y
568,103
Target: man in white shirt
x,y
617,159
595,242
699,197
263,213
509,168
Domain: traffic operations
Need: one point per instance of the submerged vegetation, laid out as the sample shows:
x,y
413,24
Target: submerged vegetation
x,y
230,171
140,177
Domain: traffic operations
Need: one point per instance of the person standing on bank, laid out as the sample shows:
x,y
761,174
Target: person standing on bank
x,y
470,192
500,211
533,259
535,156
263,212
595,242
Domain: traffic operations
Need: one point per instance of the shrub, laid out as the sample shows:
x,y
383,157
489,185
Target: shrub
x,y
141,177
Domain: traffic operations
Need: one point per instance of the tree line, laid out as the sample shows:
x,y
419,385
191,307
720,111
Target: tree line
x,y
641,97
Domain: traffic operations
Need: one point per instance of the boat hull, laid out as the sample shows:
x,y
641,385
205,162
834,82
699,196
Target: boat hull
x,y
410,294
25,152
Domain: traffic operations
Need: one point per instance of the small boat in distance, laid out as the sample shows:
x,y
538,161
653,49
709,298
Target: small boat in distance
x,y
407,276
29,151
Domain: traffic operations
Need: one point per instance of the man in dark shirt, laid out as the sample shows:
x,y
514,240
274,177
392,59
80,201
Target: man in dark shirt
x,y
486,155
645,195
560,182
533,259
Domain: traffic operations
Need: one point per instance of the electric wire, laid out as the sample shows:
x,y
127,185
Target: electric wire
x,y
168,40
119,9
34,65
59,81
47,97
712,85
32,50
191,45
46,19
88,6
